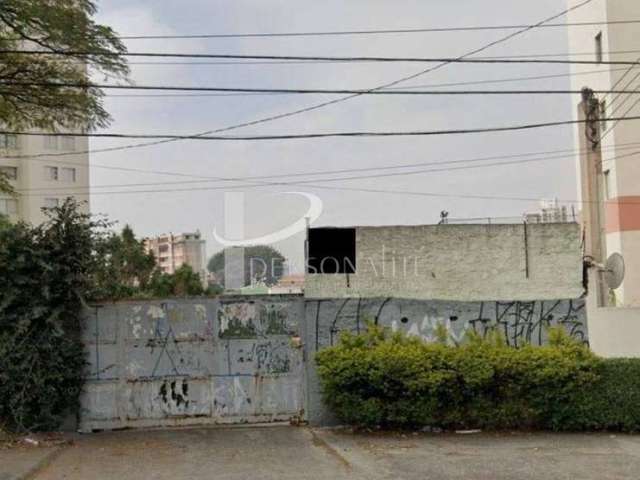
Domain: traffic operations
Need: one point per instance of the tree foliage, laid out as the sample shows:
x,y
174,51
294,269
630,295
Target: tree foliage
x,y
126,267
46,276
54,26
261,262
184,282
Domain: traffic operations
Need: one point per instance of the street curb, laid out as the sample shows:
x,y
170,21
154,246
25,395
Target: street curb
x,y
42,464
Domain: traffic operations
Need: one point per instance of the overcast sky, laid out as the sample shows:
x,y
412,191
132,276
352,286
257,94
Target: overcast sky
x,y
160,212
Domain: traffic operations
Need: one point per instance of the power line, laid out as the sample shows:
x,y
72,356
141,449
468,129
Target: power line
x,y
445,60
436,85
355,189
379,175
316,62
570,152
529,126
375,32
311,91
327,103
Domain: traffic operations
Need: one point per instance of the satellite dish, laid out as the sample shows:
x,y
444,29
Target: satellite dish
x,y
614,271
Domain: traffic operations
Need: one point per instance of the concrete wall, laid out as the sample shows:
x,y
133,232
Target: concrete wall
x,y
183,362
522,323
460,262
238,359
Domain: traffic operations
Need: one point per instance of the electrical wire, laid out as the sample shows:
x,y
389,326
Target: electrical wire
x,y
408,133
354,189
436,85
569,152
303,91
320,105
445,60
374,32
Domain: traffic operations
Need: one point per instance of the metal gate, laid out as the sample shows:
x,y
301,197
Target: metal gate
x,y
181,362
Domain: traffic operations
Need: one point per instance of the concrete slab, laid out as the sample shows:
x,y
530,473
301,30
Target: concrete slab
x,y
284,452
492,456
199,453
21,463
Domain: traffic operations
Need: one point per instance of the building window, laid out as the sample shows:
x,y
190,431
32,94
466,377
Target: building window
x,y
599,47
10,172
8,206
606,184
50,142
68,174
51,202
50,173
68,144
332,250
8,141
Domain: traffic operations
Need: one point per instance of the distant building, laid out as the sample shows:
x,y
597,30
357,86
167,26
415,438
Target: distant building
x,y
550,212
173,251
288,284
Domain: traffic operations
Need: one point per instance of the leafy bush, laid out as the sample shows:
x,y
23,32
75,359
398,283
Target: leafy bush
x,y
46,273
182,283
393,380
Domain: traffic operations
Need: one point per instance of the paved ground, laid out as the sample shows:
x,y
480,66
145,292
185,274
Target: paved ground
x,y
302,453
19,463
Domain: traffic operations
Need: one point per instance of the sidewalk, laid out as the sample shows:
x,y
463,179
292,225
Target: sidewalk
x,y
24,460
284,452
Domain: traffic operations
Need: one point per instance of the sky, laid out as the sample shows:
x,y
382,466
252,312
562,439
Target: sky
x,y
200,206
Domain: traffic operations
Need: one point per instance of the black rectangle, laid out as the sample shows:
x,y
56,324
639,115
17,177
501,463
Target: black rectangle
x,y
332,250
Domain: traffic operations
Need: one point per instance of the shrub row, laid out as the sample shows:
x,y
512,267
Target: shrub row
x,y
395,381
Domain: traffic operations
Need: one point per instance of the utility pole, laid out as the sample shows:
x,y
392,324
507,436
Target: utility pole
x,y
592,197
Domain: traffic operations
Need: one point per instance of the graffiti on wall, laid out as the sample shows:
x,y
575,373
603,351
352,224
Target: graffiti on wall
x,y
253,320
521,323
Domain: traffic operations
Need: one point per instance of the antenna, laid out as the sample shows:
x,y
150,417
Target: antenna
x,y
613,271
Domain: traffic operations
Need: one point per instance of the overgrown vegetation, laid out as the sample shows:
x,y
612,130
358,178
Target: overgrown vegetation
x,y
392,380
48,274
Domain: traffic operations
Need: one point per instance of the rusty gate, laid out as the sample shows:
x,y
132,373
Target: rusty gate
x,y
181,362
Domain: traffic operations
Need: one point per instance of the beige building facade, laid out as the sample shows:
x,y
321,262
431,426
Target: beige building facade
x,y
44,171
173,251
620,141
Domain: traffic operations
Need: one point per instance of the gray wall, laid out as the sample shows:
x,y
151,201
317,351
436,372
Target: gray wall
x,y
250,359
521,322
460,262
178,362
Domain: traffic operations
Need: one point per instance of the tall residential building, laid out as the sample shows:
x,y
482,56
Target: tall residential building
x,y
43,181
620,176
173,251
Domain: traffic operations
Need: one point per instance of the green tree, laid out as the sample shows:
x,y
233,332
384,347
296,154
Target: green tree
x,y
46,277
261,261
184,282
126,268
55,26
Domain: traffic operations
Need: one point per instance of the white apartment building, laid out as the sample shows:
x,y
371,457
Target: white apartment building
x,y
47,178
173,251
620,177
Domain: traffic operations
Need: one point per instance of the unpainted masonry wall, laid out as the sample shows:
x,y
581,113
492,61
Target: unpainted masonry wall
x,y
460,262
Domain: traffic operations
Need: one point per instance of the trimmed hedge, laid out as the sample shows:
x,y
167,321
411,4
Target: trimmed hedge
x,y
395,381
